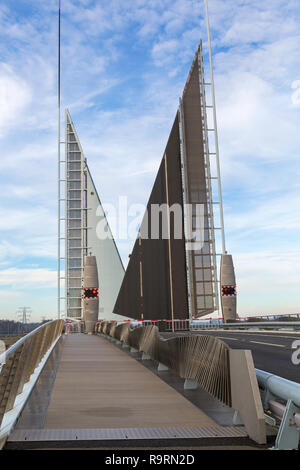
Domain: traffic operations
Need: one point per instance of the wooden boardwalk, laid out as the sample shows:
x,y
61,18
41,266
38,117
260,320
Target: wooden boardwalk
x,y
100,386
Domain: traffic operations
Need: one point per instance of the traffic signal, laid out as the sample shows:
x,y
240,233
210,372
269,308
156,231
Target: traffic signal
x,y
91,293
228,290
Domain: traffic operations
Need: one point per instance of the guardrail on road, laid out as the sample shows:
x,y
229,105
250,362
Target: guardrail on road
x,y
279,325
277,388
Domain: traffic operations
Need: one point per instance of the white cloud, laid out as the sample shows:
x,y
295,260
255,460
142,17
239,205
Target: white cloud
x,y
24,278
27,220
15,95
278,214
268,282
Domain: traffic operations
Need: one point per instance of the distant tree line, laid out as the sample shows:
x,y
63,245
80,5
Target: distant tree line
x,y
11,327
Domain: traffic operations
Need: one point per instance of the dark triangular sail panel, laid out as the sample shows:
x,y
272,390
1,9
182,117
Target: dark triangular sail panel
x,y
153,286
170,277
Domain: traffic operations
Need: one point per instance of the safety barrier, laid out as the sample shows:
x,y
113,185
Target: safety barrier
x,y
199,359
273,317
281,398
182,355
197,324
239,325
74,325
20,366
163,325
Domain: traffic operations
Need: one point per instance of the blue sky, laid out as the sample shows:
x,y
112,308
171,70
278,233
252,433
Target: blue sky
x,y
124,65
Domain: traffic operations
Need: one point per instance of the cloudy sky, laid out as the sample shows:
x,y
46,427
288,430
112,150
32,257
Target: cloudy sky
x,y
124,65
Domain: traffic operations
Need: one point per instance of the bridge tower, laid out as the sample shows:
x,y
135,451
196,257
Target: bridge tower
x,y
81,212
172,275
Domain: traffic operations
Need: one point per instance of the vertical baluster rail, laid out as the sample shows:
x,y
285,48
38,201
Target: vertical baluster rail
x,y
19,362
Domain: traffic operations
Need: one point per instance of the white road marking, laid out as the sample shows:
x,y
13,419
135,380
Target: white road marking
x,y
268,335
268,344
256,342
233,339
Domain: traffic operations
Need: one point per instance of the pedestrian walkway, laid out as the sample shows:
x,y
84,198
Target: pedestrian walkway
x,y
100,386
102,396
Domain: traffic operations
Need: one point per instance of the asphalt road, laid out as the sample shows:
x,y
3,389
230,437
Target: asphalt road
x,y
271,352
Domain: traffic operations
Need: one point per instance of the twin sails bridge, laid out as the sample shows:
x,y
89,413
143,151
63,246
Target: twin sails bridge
x,y
130,362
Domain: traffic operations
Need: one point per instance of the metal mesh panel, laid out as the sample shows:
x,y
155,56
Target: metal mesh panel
x,y
74,221
195,154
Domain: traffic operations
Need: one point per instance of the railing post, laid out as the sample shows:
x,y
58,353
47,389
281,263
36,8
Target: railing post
x,y
289,433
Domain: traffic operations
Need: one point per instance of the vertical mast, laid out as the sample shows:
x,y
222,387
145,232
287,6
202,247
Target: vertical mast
x,y
58,169
215,128
227,274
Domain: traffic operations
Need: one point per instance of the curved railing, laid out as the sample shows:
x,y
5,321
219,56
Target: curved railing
x,y
227,374
19,362
202,358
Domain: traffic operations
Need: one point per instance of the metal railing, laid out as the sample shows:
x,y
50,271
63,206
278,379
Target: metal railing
x,y
196,324
281,398
239,325
272,317
180,354
20,366
202,360
74,325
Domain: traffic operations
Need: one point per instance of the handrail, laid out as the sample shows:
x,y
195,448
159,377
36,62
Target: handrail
x,y
20,341
263,325
274,388
278,386
19,367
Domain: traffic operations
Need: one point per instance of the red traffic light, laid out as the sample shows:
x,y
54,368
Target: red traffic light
x,y
91,293
228,291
